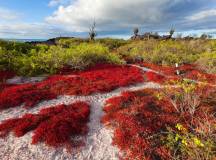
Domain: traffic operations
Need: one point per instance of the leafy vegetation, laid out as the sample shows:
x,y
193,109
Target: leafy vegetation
x,y
42,59
166,52
26,59
207,62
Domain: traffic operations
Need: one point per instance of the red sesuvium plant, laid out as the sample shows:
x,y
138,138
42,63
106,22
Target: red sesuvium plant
x,y
154,77
162,69
28,94
189,71
4,75
54,126
101,78
140,120
137,118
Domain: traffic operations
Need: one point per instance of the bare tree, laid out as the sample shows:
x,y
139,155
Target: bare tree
x,y
92,31
172,31
136,31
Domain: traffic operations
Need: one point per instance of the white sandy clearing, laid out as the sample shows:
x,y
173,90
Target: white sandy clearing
x,y
98,142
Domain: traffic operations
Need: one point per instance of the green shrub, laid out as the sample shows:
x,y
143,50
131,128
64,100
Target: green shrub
x,y
166,52
207,62
52,59
44,61
70,42
85,55
185,144
112,44
10,51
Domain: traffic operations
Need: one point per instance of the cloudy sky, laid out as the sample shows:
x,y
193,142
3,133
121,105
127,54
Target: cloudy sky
x,y
116,18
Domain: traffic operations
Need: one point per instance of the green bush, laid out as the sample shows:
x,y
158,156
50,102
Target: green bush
x,y
70,42
85,55
48,60
207,62
166,52
112,44
43,61
189,145
10,50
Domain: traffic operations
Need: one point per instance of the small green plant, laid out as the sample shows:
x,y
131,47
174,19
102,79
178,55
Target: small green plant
x,y
207,62
184,95
185,144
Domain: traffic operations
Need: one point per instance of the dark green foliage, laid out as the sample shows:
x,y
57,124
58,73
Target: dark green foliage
x,y
112,44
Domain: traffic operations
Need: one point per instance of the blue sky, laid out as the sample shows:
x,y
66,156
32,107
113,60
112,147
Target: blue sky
x,y
51,18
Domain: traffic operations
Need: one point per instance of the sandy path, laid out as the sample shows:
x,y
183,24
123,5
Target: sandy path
x,y
97,143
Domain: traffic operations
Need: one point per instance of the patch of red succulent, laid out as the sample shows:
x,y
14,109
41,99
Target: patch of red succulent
x,y
154,77
28,94
200,76
139,120
187,71
54,126
101,78
167,70
5,75
137,117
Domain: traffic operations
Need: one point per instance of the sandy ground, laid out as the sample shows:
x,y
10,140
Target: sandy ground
x,y
98,142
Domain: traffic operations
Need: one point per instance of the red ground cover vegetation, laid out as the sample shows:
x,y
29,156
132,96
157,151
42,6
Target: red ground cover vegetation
x,y
54,126
4,75
101,78
138,118
154,77
187,71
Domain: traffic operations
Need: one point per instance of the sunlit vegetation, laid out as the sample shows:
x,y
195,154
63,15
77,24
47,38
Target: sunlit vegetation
x,y
169,52
28,60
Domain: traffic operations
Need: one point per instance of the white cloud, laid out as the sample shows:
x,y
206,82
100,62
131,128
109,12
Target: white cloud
x,y
202,15
110,14
6,14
